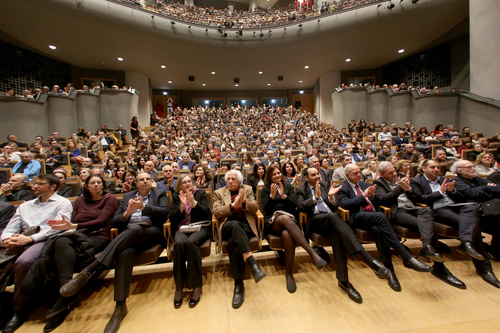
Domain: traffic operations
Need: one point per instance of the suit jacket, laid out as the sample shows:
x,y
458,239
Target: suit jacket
x,y
156,209
199,213
389,197
190,165
476,189
349,200
397,141
338,174
6,212
96,147
424,193
222,200
163,185
305,198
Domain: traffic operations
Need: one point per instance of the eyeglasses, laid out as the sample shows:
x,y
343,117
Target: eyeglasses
x,y
40,184
468,167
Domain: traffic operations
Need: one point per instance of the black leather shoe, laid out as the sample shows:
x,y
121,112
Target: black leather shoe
x,y
468,249
73,286
417,265
15,322
56,320
62,304
116,318
441,272
393,281
194,302
178,296
177,303
429,253
257,273
238,296
351,291
380,270
487,276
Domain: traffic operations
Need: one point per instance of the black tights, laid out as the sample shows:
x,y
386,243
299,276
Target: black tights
x,y
291,234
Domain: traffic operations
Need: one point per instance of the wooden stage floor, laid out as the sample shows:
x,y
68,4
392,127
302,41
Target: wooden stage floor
x,y
426,304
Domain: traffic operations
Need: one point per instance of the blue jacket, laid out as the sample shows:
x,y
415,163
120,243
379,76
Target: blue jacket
x,y
32,169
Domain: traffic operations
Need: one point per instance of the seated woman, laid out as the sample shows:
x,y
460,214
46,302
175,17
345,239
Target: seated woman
x,y
189,205
203,177
277,194
257,176
56,159
121,171
110,168
485,164
74,152
292,176
299,163
370,171
129,183
92,213
246,159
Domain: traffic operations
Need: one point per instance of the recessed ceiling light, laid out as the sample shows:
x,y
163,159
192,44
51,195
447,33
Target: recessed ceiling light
x,y
203,84
260,72
301,91
120,59
169,81
300,81
165,93
236,85
306,67
401,51
52,47
268,84
163,66
348,59
213,73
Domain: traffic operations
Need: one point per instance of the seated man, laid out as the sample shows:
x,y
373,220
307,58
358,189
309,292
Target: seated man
x,y
318,202
64,190
141,217
441,196
314,163
400,198
407,154
149,168
236,205
339,174
360,199
478,189
6,212
168,182
33,213
401,141
11,138
17,189
186,163
28,166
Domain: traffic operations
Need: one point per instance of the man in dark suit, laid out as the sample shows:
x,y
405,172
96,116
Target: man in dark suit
x,y
317,199
401,141
186,163
6,212
361,201
399,197
168,182
441,195
141,217
478,189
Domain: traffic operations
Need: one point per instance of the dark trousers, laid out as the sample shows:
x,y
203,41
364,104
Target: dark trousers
x,y
344,242
422,218
121,252
466,219
65,256
21,267
237,234
379,226
491,225
187,249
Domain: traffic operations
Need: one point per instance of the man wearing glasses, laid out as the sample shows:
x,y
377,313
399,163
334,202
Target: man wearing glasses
x,y
33,213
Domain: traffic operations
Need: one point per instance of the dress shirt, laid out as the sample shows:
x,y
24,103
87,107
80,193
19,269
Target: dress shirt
x,y
354,189
316,209
35,213
137,217
436,187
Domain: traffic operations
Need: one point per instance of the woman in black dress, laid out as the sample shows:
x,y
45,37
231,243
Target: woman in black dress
x,y
134,127
275,195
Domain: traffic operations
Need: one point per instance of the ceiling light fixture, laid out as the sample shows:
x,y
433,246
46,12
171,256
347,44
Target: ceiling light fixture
x,y
236,85
52,47
306,67
268,84
401,51
260,73
203,84
165,93
301,92
348,60
120,59
300,81
163,66
169,81
213,73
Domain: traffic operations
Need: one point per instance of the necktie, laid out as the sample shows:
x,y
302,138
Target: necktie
x,y
321,205
368,206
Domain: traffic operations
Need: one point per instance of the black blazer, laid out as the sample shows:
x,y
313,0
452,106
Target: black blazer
x,y
397,141
424,194
268,206
349,200
389,197
199,213
156,209
476,189
305,199
6,212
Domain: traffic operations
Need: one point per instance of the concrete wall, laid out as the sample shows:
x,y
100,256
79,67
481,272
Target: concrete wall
x,y
65,114
428,110
327,82
484,46
141,83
